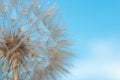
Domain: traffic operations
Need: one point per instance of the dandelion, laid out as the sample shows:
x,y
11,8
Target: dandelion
x,y
31,43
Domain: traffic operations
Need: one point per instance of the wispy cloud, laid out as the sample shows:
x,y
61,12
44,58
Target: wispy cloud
x,y
104,64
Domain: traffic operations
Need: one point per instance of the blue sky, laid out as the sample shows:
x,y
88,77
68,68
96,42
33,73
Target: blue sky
x,y
94,26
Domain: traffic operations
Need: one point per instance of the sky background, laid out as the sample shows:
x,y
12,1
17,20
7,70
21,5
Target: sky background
x,y
94,27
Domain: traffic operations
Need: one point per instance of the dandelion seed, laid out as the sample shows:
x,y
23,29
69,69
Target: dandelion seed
x,y
21,29
29,40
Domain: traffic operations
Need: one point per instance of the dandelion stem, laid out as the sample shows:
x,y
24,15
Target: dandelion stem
x,y
15,69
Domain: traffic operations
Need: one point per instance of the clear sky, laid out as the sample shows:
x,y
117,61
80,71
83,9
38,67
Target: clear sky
x,y
94,26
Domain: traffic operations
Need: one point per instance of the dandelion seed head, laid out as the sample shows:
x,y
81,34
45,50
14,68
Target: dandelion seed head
x,y
30,41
